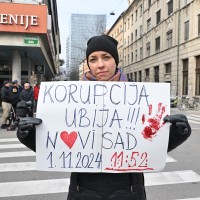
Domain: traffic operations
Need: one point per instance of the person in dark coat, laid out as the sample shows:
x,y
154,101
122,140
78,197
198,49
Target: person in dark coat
x,y
102,58
27,95
16,90
7,100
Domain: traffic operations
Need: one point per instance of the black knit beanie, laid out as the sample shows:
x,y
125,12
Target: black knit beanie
x,y
103,43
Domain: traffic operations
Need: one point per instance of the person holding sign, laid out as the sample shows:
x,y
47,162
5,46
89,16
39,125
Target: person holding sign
x,y
102,58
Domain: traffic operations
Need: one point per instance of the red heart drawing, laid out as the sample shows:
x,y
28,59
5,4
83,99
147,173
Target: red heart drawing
x,y
68,139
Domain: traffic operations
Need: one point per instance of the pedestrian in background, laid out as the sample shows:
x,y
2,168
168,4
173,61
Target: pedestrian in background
x,y
36,94
7,101
102,58
27,95
16,90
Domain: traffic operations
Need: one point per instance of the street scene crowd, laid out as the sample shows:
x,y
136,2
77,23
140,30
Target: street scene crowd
x,y
11,94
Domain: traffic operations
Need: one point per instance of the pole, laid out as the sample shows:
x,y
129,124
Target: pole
x,y
178,50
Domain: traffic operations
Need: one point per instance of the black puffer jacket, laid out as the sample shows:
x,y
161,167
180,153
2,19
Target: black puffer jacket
x,y
27,95
108,186
6,95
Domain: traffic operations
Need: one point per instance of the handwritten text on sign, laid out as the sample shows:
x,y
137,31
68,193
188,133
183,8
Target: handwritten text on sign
x,y
102,126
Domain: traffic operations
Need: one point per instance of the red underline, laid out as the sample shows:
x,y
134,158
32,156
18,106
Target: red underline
x,y
130,169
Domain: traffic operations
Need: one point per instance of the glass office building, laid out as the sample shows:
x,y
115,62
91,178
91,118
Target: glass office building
x,y
82,27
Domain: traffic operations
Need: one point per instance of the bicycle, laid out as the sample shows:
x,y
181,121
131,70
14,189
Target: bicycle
x,y
187,104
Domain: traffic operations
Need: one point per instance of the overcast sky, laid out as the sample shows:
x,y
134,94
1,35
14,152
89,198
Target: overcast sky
x,y
68,7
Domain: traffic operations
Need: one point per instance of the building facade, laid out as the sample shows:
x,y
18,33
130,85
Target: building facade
x,y
82,27
161,40
29,40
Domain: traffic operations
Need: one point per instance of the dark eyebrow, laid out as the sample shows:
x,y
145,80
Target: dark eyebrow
x,y
104,54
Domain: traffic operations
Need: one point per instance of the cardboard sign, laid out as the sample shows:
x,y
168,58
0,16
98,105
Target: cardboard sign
x,y
102,126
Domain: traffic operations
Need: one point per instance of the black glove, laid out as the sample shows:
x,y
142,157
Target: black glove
x,y
27,125
179,123
180,130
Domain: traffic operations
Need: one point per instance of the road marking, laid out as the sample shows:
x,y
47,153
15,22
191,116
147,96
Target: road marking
x,y
16,154
22,166
193,122
12,146
24,188
170,159
196,116
175,177
61,185
197,198
9,140
194,119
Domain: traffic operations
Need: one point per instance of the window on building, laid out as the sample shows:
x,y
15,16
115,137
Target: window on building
x,y
136,34
128,23
135,76
132,19
141,31
186,37
127,76
136,55
141,53
157,47
170,7
198,75
128,60
131,56
156,74
169,39
140,10
158,17
136,15
131,76
147,73
149,3
185,77
148,49
168,68
131,37
149,24
140,76
198,24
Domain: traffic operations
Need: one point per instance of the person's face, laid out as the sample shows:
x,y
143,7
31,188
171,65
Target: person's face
x,y
26,86
7,84
102,65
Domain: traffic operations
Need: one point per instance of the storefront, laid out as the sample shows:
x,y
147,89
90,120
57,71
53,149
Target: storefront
x,y
29,46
